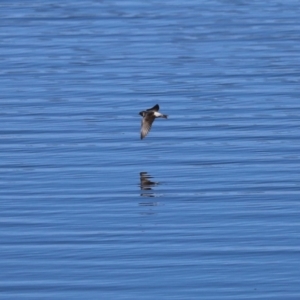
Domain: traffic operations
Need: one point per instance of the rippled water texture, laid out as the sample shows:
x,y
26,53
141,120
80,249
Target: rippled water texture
x,y
206,206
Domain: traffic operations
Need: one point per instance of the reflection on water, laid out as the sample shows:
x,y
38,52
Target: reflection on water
x,y
79,220
146,184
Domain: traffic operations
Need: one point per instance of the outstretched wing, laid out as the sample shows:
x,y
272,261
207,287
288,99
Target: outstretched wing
x,y
154,108
146,124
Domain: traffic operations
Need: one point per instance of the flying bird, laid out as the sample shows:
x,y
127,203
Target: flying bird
x,y
149,116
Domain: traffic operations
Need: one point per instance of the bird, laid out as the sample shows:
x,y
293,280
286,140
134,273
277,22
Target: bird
x,y
149,115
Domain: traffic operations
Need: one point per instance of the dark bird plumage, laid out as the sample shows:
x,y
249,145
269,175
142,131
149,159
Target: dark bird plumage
x,y
149,115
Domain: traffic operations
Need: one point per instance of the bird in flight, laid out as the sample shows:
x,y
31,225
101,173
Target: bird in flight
x,y
149,116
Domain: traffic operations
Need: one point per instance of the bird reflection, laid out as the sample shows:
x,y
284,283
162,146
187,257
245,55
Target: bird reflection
x,y
146,184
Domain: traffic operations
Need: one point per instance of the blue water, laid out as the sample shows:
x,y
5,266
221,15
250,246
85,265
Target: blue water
x,y
206,206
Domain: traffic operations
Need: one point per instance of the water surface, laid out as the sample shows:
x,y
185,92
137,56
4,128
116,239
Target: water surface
x,y
206,206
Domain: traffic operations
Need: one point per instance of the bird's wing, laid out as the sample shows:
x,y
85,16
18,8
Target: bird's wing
x,y
154,108
146,124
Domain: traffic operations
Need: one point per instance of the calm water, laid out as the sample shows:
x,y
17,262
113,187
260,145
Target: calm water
x,y
206,207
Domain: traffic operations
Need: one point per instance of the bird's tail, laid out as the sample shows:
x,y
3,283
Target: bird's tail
x,y
165,116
